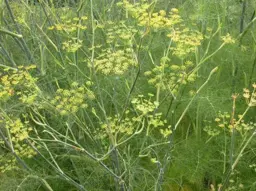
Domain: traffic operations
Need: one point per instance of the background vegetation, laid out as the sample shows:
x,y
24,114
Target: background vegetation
x,y
127,95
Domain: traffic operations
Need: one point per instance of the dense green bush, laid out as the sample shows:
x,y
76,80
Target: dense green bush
x,y
127,95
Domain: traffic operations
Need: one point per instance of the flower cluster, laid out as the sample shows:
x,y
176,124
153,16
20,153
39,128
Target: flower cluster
x,y
125,127
19,84
245,126
228,39
19,12
186,40
119,33
7,163
160,20
70,25
146,108
72,45
155,20
223,121
167,76
211,129
69,101
114,62
250,97
18,132
133,122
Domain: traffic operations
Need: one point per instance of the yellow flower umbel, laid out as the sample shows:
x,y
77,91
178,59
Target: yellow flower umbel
x,y
70,25
169,76
72,45
142,120
250,97
228,39
147,18
145,109
115,62
186,40
19,84
223,121
144,106
120,34
126,127
211,130
7,163
69,101
17,133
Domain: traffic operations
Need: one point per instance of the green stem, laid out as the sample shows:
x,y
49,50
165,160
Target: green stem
x,y
203,60
242,150
239,156
246,29
197,92
10,33
44,182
